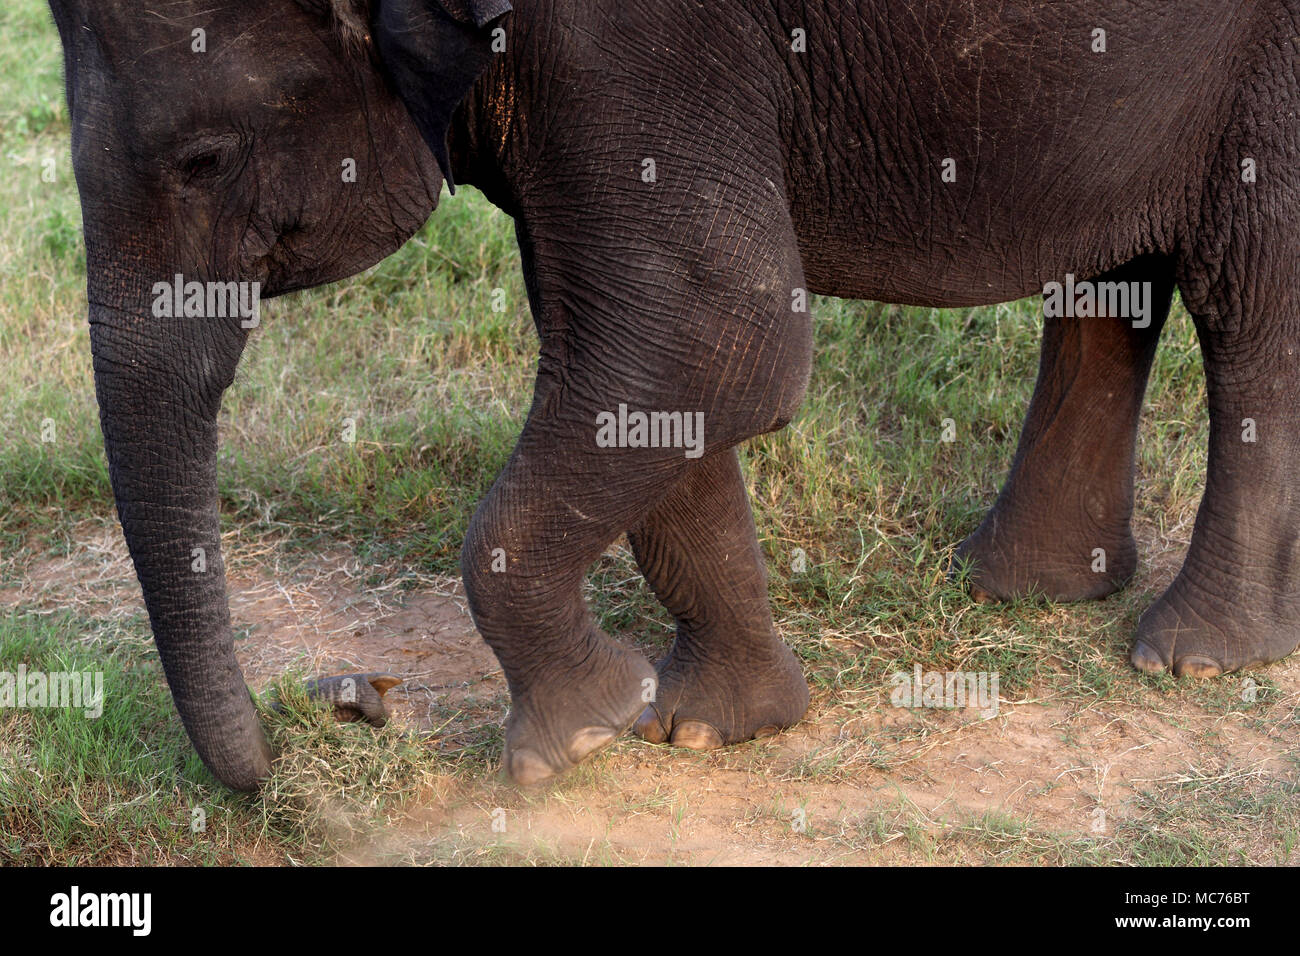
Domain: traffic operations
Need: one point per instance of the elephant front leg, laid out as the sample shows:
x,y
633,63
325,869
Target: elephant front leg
x,y
573,689
728,677
667,336
1061,525
562,498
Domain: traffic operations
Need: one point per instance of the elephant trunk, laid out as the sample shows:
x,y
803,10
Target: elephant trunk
x,y
159,383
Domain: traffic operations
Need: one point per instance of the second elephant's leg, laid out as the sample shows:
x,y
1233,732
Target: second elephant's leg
x,y
1069,498
728,676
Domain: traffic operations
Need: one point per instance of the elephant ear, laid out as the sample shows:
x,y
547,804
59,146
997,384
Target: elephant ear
x,y
432,52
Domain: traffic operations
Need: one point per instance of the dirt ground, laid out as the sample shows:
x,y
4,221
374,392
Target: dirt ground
x,y
847,785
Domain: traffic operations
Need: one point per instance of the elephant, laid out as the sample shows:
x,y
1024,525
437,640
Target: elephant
x,y
682,176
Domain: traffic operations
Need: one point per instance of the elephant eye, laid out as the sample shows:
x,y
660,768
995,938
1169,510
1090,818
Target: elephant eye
x,y
205,164
208,159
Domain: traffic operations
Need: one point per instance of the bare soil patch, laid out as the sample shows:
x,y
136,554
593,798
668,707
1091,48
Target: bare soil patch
x,y
863,784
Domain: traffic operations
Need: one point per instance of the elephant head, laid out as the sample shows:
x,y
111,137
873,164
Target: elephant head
x,y
223,152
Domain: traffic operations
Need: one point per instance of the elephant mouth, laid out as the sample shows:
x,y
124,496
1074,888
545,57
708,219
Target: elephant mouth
x,y
292,254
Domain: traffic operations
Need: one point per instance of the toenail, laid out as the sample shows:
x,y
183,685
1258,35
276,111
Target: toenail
x,y
696,735
1144,658
650,727
1197,666
527,767
588,740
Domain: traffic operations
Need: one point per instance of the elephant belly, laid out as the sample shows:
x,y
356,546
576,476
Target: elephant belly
x,y
965,154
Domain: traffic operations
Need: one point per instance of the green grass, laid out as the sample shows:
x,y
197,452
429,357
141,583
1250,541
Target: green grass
x,y
437,384
75,789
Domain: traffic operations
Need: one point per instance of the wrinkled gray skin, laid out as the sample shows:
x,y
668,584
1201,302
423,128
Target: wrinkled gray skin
x,y
222,165
776,170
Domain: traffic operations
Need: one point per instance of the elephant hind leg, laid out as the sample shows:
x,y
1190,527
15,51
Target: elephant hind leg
x,y
1235,602
1060,527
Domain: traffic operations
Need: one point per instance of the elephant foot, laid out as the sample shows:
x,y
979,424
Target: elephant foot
x,y
1011,560
355,697
571,710
706,702
1185,633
